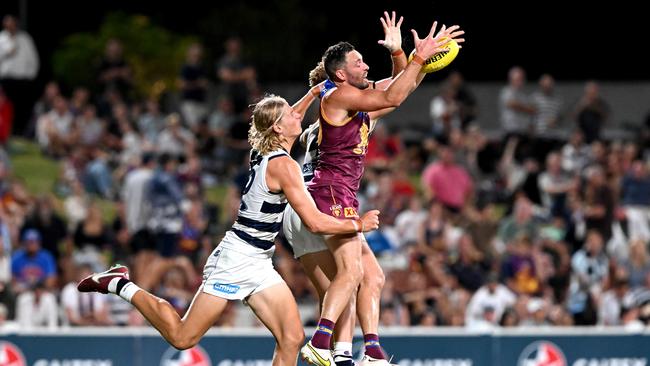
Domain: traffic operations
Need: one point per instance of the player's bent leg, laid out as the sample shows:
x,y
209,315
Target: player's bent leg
x,y
184,333
276,308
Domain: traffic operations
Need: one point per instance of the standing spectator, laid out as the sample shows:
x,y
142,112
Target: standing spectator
x,y
445,113
447,181
166,195
19,65
548,106
238,77
635,198
515,105
135,196
193,85
590,267
554,185
591,112
114,73
465,99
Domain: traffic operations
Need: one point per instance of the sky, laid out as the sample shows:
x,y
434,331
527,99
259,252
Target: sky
x,y
602,42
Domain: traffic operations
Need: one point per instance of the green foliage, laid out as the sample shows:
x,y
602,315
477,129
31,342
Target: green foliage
x,y
155,54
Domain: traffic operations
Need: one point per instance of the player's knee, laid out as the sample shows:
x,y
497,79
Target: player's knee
x,y
374,279
184,342
293,339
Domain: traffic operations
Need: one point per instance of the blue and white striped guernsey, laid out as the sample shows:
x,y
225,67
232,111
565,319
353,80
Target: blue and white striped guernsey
x,y
260,213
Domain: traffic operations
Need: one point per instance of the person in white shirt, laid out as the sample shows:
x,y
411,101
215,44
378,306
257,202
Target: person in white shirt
x,y
37,308
19,65
494,298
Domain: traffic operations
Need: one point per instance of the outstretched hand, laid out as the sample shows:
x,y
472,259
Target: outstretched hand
x,y
392,33
430,45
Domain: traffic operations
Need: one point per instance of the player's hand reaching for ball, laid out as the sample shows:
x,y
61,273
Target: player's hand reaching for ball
x,y
392,33
436,42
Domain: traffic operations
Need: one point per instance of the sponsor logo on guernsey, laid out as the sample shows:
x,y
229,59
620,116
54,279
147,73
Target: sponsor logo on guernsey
x,y
226,288
336,210
350,212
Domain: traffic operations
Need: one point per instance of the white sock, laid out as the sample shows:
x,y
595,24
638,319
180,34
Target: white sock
x,y
343,348
128,291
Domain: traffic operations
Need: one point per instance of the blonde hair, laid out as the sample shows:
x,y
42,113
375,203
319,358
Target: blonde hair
x,y
317,75
266,113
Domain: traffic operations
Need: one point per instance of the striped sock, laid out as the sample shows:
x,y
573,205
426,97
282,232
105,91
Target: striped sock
x,y
373,349
323,334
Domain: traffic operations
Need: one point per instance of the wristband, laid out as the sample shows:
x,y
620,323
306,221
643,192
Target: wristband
x,y
356,226
363,229
417,59
397,53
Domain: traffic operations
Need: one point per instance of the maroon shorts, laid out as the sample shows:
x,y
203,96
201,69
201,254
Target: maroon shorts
x,y
340,202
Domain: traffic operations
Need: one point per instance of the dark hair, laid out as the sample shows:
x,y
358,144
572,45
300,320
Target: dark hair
x,y
334,58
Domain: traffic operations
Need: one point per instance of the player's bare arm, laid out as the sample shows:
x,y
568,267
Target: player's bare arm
x,y
393,41
348,98
283,174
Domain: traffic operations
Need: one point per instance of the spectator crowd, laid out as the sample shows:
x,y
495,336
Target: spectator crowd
x,y
547,225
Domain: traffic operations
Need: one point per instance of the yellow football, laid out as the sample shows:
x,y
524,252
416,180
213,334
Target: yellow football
x,y
440,60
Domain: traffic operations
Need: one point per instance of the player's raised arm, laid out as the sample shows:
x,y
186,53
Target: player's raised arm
x,y
393,41
355,99
285,173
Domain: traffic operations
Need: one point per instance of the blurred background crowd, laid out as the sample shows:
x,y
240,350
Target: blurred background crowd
x,y
544,222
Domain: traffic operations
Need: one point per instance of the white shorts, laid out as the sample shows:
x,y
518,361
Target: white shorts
x,y
299,237
233,275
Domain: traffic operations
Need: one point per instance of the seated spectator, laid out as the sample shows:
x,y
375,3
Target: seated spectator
x,y
174,139
520,222
54,130
492,296
83,308
32,264
518,268
37,307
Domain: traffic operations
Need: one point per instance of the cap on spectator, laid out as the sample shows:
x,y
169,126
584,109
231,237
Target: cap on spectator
x,y
31,235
